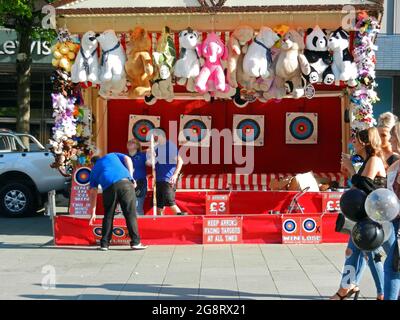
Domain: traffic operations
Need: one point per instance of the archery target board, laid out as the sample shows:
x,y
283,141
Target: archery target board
x,y
248,130
195,131
301,128
140,126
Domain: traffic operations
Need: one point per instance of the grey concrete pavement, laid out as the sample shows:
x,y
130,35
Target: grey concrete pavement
x,y
28,260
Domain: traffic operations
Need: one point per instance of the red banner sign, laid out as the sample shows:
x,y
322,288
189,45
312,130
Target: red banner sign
x,y
79,200
228,230
331,202
301,229
217,204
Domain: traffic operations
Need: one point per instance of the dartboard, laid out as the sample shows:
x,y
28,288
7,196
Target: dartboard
x,y
195,130
248,130
140,127
141,130
98,231
309,225
118,232
290,226
82,176
301,128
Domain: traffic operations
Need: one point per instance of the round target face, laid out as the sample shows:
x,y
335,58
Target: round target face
x,y
82,176
290,226
141,129
118,232
309,225
195,131
301,128
248,130
97,231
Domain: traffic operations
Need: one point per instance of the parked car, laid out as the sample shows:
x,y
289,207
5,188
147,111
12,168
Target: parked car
x,y
25,174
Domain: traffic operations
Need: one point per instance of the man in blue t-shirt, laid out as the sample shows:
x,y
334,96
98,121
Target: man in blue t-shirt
x,y
168,165
113,173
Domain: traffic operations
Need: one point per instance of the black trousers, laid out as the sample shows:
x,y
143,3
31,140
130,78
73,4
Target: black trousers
x,y
121,192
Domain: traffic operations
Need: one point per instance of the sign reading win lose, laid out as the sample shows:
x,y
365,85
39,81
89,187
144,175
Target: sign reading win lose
x,y
222,230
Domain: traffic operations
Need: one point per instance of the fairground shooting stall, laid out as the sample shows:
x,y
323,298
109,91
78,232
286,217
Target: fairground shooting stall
x,y
302,130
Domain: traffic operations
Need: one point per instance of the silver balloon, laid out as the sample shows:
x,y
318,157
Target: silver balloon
x,y
387,229
382,205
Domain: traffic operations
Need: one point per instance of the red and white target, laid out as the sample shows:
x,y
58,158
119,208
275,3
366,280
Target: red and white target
x,y
195,131
140,127
248,130
301,128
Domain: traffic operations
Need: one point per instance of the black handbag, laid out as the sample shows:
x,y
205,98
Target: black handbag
x,y
141,188
344,225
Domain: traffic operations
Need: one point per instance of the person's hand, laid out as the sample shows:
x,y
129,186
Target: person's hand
x,y
346,163
174,179
92,219
134,184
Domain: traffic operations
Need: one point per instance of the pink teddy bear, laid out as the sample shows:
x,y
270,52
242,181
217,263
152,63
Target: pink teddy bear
x,y
212,73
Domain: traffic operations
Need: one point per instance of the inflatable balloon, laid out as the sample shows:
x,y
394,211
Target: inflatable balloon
x,y
352,204
367,235
382,205
387,229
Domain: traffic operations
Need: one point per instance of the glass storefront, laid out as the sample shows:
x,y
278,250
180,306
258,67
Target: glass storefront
x,y
41,108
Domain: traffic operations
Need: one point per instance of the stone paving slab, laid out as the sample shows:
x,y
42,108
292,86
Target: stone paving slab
x,y
165,272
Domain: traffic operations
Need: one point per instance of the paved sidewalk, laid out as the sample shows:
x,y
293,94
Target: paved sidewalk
x,y
164,272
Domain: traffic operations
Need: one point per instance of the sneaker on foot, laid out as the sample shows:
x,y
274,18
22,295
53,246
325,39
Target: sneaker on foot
x,y
139,246
104,248
183,213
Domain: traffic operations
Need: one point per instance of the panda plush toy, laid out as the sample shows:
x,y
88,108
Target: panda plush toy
x,y
318,56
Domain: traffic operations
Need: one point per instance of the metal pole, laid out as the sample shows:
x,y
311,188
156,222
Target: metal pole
x,y
153,166
51,211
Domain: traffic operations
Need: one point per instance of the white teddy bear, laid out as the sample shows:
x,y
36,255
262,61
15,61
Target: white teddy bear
x,y
187,68
86,66
112,75
258,59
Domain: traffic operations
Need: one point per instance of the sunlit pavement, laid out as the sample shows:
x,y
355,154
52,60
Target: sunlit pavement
x,y
30,267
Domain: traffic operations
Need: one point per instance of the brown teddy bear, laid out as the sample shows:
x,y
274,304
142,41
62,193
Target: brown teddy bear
x,y
139,67
290,65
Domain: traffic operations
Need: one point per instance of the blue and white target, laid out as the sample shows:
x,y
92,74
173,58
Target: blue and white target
x,y
141,130
195,131
82,176
118,232
309,225
290,226
97,231
301,128
248,130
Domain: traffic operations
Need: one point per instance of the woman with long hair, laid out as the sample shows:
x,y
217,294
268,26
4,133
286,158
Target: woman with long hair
x,y
386,122
391,245
371,176
139,159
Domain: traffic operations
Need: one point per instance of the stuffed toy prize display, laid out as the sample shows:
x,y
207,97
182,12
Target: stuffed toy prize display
x,y
139,66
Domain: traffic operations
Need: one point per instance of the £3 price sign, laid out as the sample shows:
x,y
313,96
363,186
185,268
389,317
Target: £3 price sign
x,y
331,202
217,204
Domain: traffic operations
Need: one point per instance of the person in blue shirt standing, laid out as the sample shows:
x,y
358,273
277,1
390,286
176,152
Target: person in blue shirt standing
x,y
168,165
139,160
113,173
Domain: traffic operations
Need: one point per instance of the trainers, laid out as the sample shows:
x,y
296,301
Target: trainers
x,y
104,248
139,246
183,213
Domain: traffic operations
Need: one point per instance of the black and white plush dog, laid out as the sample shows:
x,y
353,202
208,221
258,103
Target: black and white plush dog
x,y
343,65
317,54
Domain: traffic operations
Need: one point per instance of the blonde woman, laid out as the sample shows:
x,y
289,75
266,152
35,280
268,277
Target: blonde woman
x,y
391,246
371,176
386,122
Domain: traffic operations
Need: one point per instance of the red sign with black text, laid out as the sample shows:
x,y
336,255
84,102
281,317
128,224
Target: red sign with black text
x,y
227,230
301,229
217,204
